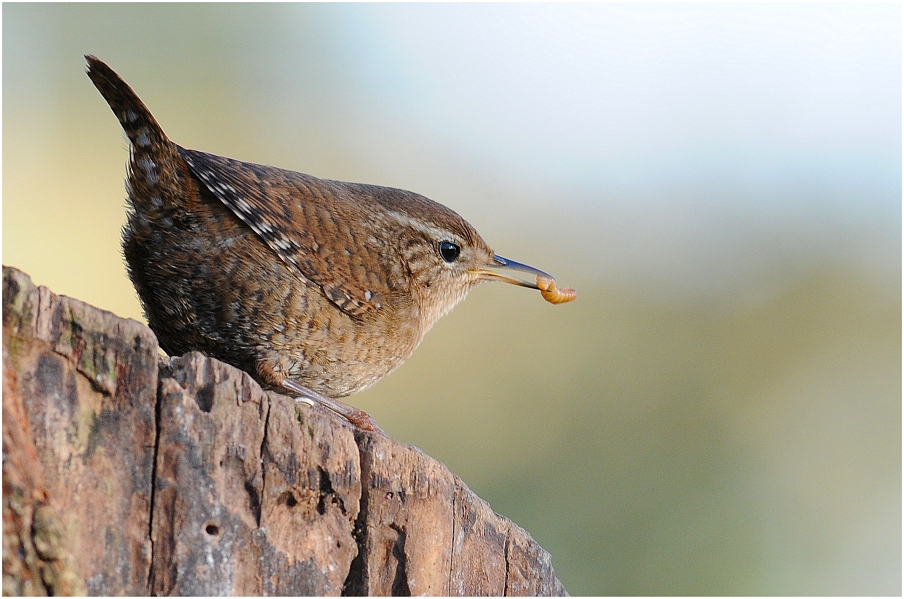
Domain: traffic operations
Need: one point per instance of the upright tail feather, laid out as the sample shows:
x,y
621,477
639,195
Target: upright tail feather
x,y
153,179
137,121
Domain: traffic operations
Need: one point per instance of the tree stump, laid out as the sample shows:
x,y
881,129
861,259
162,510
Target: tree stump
x,y
125,473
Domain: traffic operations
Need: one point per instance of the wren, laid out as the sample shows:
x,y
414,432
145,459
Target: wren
x,y
316,287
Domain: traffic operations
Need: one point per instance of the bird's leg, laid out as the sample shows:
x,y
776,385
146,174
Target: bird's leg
x,y
359,418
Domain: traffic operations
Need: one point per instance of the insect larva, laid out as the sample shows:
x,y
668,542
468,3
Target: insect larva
x,y
553,294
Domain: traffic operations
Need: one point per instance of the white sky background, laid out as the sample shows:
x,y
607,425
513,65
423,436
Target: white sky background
x,y
577,89
580,88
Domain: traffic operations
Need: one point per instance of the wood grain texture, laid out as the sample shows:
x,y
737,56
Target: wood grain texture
x,y
87,381
129,474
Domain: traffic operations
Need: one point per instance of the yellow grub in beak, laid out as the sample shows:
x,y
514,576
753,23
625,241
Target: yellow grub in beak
x,y
544,282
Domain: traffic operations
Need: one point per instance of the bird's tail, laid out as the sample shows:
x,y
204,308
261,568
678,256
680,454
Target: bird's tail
x,y
154,164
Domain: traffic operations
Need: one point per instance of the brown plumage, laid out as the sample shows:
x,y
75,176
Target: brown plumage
x,y
315,286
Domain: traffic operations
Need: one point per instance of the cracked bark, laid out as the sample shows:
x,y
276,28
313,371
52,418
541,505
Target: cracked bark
x,y
128,474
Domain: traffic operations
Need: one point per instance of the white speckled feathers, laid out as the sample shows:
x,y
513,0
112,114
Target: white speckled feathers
x,y
296,215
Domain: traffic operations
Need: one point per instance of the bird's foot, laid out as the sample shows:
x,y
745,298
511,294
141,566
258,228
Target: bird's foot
x,y
360,419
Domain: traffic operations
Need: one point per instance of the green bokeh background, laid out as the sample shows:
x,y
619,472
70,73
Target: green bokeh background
x,y
720,411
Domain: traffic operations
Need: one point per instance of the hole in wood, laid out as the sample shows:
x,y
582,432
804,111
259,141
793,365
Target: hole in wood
x,y
212,529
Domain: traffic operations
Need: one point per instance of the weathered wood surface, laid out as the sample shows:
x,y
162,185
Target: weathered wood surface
x,y
128,474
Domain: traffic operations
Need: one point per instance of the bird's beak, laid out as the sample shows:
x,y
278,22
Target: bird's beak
x,y
492,274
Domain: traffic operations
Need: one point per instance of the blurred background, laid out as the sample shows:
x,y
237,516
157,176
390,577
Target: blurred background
x,y
720,410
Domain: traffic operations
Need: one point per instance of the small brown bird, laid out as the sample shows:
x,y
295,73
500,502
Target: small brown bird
x,y
313,286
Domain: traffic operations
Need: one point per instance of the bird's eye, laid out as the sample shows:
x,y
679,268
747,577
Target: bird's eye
x,y
449,251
